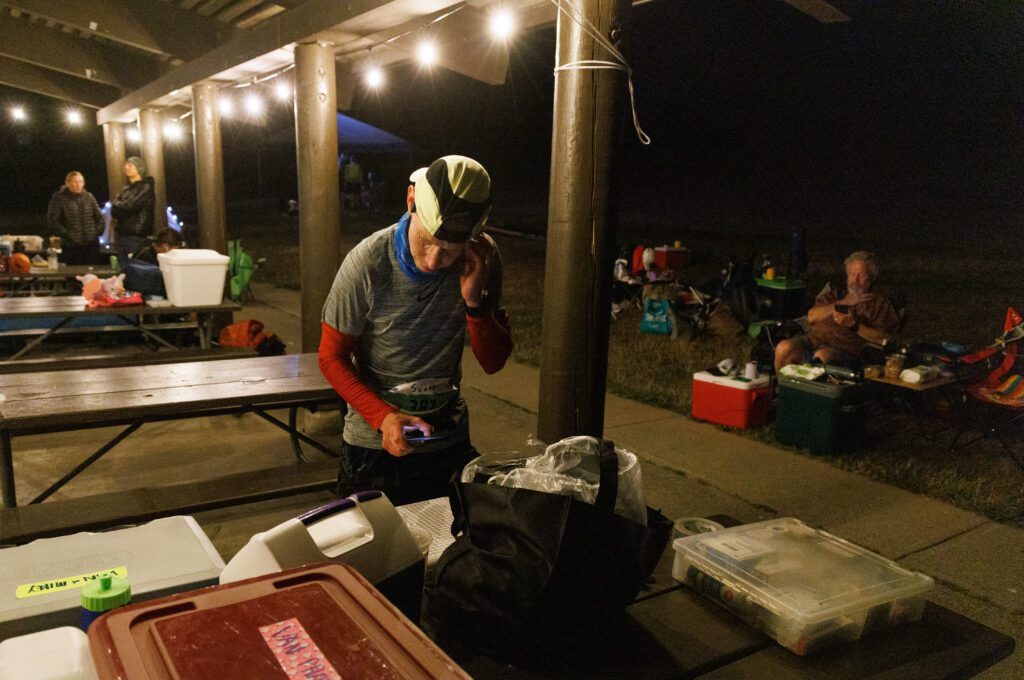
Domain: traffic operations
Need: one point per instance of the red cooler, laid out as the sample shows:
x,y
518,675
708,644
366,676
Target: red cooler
x,y
671,258
324,621
730,400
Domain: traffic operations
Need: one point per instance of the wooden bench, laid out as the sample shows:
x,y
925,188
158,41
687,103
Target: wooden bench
x,y
124,359
103,511
132,396
62,310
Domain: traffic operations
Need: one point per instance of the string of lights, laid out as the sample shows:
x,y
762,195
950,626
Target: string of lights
x,y
501,25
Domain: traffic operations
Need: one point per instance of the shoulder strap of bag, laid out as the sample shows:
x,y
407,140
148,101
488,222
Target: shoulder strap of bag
x,y
609,488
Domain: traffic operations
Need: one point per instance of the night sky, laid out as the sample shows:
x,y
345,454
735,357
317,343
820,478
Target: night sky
x,y
757,112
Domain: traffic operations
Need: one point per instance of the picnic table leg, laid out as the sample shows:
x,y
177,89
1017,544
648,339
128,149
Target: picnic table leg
x,y
87,462
293,431
137,322
7,470
63,322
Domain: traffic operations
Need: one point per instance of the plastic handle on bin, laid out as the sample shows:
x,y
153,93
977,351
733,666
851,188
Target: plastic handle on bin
x,y
364,496
332,508
340,505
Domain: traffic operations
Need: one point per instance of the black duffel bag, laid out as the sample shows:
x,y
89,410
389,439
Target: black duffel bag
x,y
526,561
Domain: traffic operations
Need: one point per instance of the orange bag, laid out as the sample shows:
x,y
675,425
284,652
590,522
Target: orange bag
x,y
250,333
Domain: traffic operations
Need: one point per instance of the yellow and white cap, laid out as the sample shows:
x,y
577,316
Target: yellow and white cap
x,y
453,197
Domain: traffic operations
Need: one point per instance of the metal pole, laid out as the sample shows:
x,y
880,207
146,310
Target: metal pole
x,y
152,151
316,151
209,168
577,281
113,148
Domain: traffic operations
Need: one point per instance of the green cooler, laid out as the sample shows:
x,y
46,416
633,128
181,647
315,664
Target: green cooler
x,y
785,298
823,417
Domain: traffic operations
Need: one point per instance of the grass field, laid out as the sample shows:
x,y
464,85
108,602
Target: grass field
x,y
958,282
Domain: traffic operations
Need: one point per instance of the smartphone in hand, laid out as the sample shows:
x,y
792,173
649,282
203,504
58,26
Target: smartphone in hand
x,y
417,437
842,309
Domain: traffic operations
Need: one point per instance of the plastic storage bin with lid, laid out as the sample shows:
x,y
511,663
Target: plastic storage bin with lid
x,y
194,277
323,621
804,587
41,582
731,400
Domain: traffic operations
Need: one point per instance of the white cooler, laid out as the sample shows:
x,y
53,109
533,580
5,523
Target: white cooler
x,y
193,277
40,582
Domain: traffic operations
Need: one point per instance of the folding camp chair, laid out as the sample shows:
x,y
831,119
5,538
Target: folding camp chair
x,y
996,400
241,267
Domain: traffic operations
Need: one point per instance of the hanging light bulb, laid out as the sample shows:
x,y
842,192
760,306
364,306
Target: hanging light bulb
x,y
374,77
502,24
253,104
73,116
426,53
282,90
133,134
172,130
18,113
225,105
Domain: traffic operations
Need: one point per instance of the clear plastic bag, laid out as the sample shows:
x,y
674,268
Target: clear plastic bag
x,y
570,467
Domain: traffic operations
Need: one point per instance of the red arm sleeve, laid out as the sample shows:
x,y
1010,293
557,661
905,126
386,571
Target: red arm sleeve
x,y
490,336
335,359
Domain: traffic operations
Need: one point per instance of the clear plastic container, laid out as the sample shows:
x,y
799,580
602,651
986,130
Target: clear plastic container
x,y
805,588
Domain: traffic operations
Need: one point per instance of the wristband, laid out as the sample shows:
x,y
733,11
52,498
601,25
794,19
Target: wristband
x,y
476,312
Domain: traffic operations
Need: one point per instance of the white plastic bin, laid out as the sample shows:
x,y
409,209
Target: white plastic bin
x,y
194,277
40,582
55,654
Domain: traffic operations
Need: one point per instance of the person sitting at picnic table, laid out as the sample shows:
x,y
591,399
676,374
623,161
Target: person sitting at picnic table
x,y
133,208
74,216
164,242
843,320
393,331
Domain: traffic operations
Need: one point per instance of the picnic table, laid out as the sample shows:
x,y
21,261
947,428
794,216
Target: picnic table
x,y
670,631
49,281
61,401
64,309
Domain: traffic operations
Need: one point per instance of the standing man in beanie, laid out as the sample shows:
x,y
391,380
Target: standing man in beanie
x,y
394,327
133,209
74,216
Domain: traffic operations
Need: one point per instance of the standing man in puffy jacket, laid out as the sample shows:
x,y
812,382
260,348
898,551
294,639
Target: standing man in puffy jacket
x,y
74,215
133,209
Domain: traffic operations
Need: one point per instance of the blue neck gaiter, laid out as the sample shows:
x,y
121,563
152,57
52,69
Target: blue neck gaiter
x,y
404,255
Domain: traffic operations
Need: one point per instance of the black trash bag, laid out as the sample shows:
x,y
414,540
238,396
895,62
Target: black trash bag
x,y
528,561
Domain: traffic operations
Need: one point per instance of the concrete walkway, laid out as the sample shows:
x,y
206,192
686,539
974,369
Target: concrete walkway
x,y
694,469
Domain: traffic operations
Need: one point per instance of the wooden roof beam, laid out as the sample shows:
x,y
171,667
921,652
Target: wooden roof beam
x,y
155,27
22,76
89,59
295,25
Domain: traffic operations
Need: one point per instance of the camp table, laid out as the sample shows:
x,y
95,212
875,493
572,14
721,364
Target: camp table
x,y
671,631
65,308
61,401
49,281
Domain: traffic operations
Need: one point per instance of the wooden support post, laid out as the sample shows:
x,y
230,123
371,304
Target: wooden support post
x,y
209,168
151,127
577,283
316,151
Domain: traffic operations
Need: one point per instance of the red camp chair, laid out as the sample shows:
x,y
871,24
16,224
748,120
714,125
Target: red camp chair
x,y
997,399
